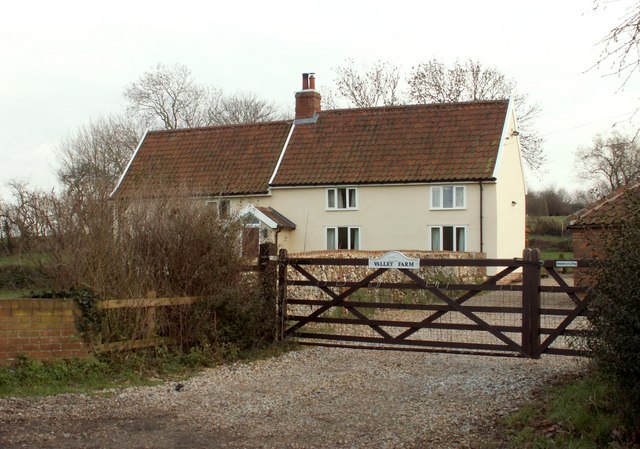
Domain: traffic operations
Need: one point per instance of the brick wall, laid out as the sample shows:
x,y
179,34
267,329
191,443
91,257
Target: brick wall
x,y
587,244
42,329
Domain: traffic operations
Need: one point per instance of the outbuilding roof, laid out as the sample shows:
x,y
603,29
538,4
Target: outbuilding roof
x,y
610,210
399,144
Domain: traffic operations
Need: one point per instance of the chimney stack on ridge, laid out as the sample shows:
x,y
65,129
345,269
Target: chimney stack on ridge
x,y
307,100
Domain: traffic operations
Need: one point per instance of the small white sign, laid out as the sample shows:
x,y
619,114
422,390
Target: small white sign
x,y
566,263
394,259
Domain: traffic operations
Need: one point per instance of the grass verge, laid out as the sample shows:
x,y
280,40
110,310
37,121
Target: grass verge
x,y
32,260
28,377
578,414
14,294
555,255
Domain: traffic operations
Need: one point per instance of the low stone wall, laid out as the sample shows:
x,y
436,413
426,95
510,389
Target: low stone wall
x,y
345,273
42,329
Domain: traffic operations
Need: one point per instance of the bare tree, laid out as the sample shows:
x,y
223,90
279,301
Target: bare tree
x,y
26,220
611,161
433,82
169,97
243,108
582,197
622,45
92,161
551,201
365,86
6,241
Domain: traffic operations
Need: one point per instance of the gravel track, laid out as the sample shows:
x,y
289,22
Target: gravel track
x,y
311,398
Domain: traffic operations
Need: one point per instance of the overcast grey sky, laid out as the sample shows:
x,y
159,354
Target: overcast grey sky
x,y
66,62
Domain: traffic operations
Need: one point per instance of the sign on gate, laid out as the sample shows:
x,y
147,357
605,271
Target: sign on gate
x,y
394,259
566,263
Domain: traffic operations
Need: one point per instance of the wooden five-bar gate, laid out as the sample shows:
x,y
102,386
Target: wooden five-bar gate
x,y
436,305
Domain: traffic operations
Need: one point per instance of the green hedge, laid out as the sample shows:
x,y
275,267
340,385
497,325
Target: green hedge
x,y
15,277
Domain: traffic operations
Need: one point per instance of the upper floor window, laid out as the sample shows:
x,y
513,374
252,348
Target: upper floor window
x,y
448,197
342,198
222,208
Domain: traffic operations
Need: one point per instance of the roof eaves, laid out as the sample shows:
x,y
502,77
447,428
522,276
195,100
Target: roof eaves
x,y
386,182
231,194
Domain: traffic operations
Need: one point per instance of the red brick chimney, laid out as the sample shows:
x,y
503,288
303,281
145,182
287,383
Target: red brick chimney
x,y
308,99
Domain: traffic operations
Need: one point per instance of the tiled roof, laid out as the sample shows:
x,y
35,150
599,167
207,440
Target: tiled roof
x,y
607,211
277,217
420,143
218,160
435,142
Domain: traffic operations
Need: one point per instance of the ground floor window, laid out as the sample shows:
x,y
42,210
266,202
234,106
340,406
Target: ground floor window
x,y
448,238
343,237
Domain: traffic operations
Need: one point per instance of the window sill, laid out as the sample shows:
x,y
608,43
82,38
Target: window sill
x,y
351,209
447,208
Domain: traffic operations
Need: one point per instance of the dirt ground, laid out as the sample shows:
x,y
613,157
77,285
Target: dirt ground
x,y
312,398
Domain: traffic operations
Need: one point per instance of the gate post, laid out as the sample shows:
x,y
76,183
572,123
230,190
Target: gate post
x,y
267,277
282,292
264,256
531,303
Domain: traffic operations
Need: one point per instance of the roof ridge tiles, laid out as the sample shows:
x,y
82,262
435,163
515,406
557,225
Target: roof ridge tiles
x,y
218,127
420,105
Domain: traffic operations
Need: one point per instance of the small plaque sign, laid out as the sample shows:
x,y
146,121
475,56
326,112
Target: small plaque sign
x,y
566,263
394,259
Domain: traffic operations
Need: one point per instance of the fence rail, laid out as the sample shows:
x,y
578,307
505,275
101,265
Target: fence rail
x,y
150,305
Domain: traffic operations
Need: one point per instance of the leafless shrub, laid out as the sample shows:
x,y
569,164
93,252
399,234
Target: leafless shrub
x,y
163,247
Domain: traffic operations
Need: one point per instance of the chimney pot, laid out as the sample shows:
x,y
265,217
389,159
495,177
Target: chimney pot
x,y
305,81
312,81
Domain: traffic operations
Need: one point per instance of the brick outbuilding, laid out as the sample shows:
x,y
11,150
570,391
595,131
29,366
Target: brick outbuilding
x,y
588,224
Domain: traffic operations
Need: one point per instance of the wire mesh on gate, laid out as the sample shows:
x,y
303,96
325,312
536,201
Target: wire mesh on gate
x,y
395,308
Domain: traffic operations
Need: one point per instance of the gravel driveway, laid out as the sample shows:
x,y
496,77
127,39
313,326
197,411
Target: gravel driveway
x,y
312,398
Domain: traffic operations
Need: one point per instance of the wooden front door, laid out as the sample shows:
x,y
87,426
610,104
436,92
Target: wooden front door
x,y
250,242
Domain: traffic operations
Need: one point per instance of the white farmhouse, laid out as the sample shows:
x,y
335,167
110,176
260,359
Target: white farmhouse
x,y
436,177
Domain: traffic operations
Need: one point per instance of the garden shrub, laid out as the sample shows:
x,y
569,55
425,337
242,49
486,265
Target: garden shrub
x,y
165,248
615,308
